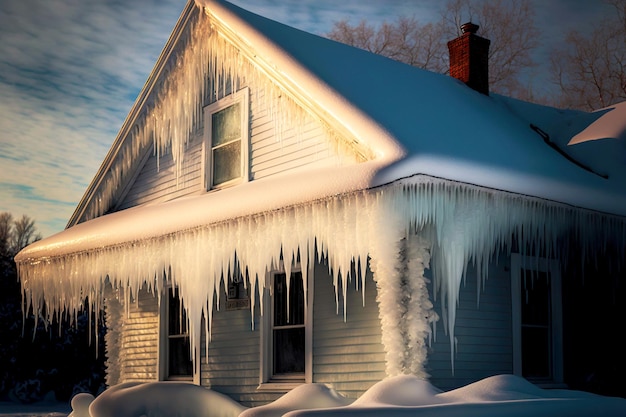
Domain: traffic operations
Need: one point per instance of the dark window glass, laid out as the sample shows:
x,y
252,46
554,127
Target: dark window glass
x,y
536,325
289,351
179,357
288,324
179,363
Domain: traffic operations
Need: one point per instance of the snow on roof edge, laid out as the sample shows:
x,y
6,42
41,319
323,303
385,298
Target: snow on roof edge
x,y
255,197
610,125
580,196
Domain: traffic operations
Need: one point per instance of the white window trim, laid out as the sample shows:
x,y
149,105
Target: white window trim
x,y
163,347
242,96
541,265
266,383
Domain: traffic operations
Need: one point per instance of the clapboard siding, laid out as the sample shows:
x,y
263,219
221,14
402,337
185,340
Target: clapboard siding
x,y
304,142
157,180
276,146
132,339
483,333
233,363
348,355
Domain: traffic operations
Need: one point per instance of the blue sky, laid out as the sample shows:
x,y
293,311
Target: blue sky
x,y
70,71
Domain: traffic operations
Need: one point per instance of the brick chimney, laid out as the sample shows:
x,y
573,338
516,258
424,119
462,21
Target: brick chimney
x,y
469,58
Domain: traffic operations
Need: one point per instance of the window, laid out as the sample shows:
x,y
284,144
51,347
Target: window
x,y
176,357
226,140
288,326
537,331
286,341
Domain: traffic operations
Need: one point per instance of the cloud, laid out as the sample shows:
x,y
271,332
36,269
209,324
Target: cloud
x,y
69,73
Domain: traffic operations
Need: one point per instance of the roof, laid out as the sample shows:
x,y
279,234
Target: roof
x,y
416,121
445,129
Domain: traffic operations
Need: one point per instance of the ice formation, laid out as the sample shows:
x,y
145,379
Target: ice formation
x,y
398,229
455,223
165,123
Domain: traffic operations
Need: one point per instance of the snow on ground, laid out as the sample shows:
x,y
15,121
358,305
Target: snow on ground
x,y
395,396
42,409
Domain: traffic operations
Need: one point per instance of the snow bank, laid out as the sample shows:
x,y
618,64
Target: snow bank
x,y
500,395
156,399
307,396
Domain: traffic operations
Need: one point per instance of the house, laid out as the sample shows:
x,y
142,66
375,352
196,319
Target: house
x,y
279,208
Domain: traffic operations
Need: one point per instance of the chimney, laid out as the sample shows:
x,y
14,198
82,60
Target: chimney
x,y
469,58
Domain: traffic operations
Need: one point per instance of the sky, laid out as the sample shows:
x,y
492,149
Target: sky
x,y
70,71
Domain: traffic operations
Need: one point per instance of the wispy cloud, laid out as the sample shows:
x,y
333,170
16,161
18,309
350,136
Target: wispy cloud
x,y
69,72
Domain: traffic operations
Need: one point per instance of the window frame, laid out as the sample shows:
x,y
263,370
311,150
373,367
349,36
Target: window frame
x,y
268,381
552,267
164,345
242,97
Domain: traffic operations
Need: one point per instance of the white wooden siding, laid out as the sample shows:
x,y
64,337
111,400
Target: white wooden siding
x,y
297,146
348,355
156,180
302,143
233,364
483,332
135,338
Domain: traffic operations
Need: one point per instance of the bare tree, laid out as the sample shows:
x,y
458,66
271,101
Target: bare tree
x,y
406,40
6,233
591,69
16,234
509,24
24,233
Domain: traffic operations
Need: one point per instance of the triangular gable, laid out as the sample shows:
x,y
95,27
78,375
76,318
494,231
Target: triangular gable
x,y
156,125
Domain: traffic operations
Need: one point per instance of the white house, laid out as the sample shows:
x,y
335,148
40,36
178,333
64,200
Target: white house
x,y
279,208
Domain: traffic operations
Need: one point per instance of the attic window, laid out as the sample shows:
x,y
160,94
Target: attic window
x,y
226,140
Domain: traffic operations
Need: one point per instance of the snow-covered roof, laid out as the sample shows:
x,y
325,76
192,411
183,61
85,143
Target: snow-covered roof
x,y
444,128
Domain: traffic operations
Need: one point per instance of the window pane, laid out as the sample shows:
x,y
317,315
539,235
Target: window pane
x,y
179,360
536,352
289,350
535,298
227,162
226,125
536,324
179,357
177,320
296,296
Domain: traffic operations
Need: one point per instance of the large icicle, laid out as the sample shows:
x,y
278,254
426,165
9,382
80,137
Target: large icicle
x,y
472,224
455,223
